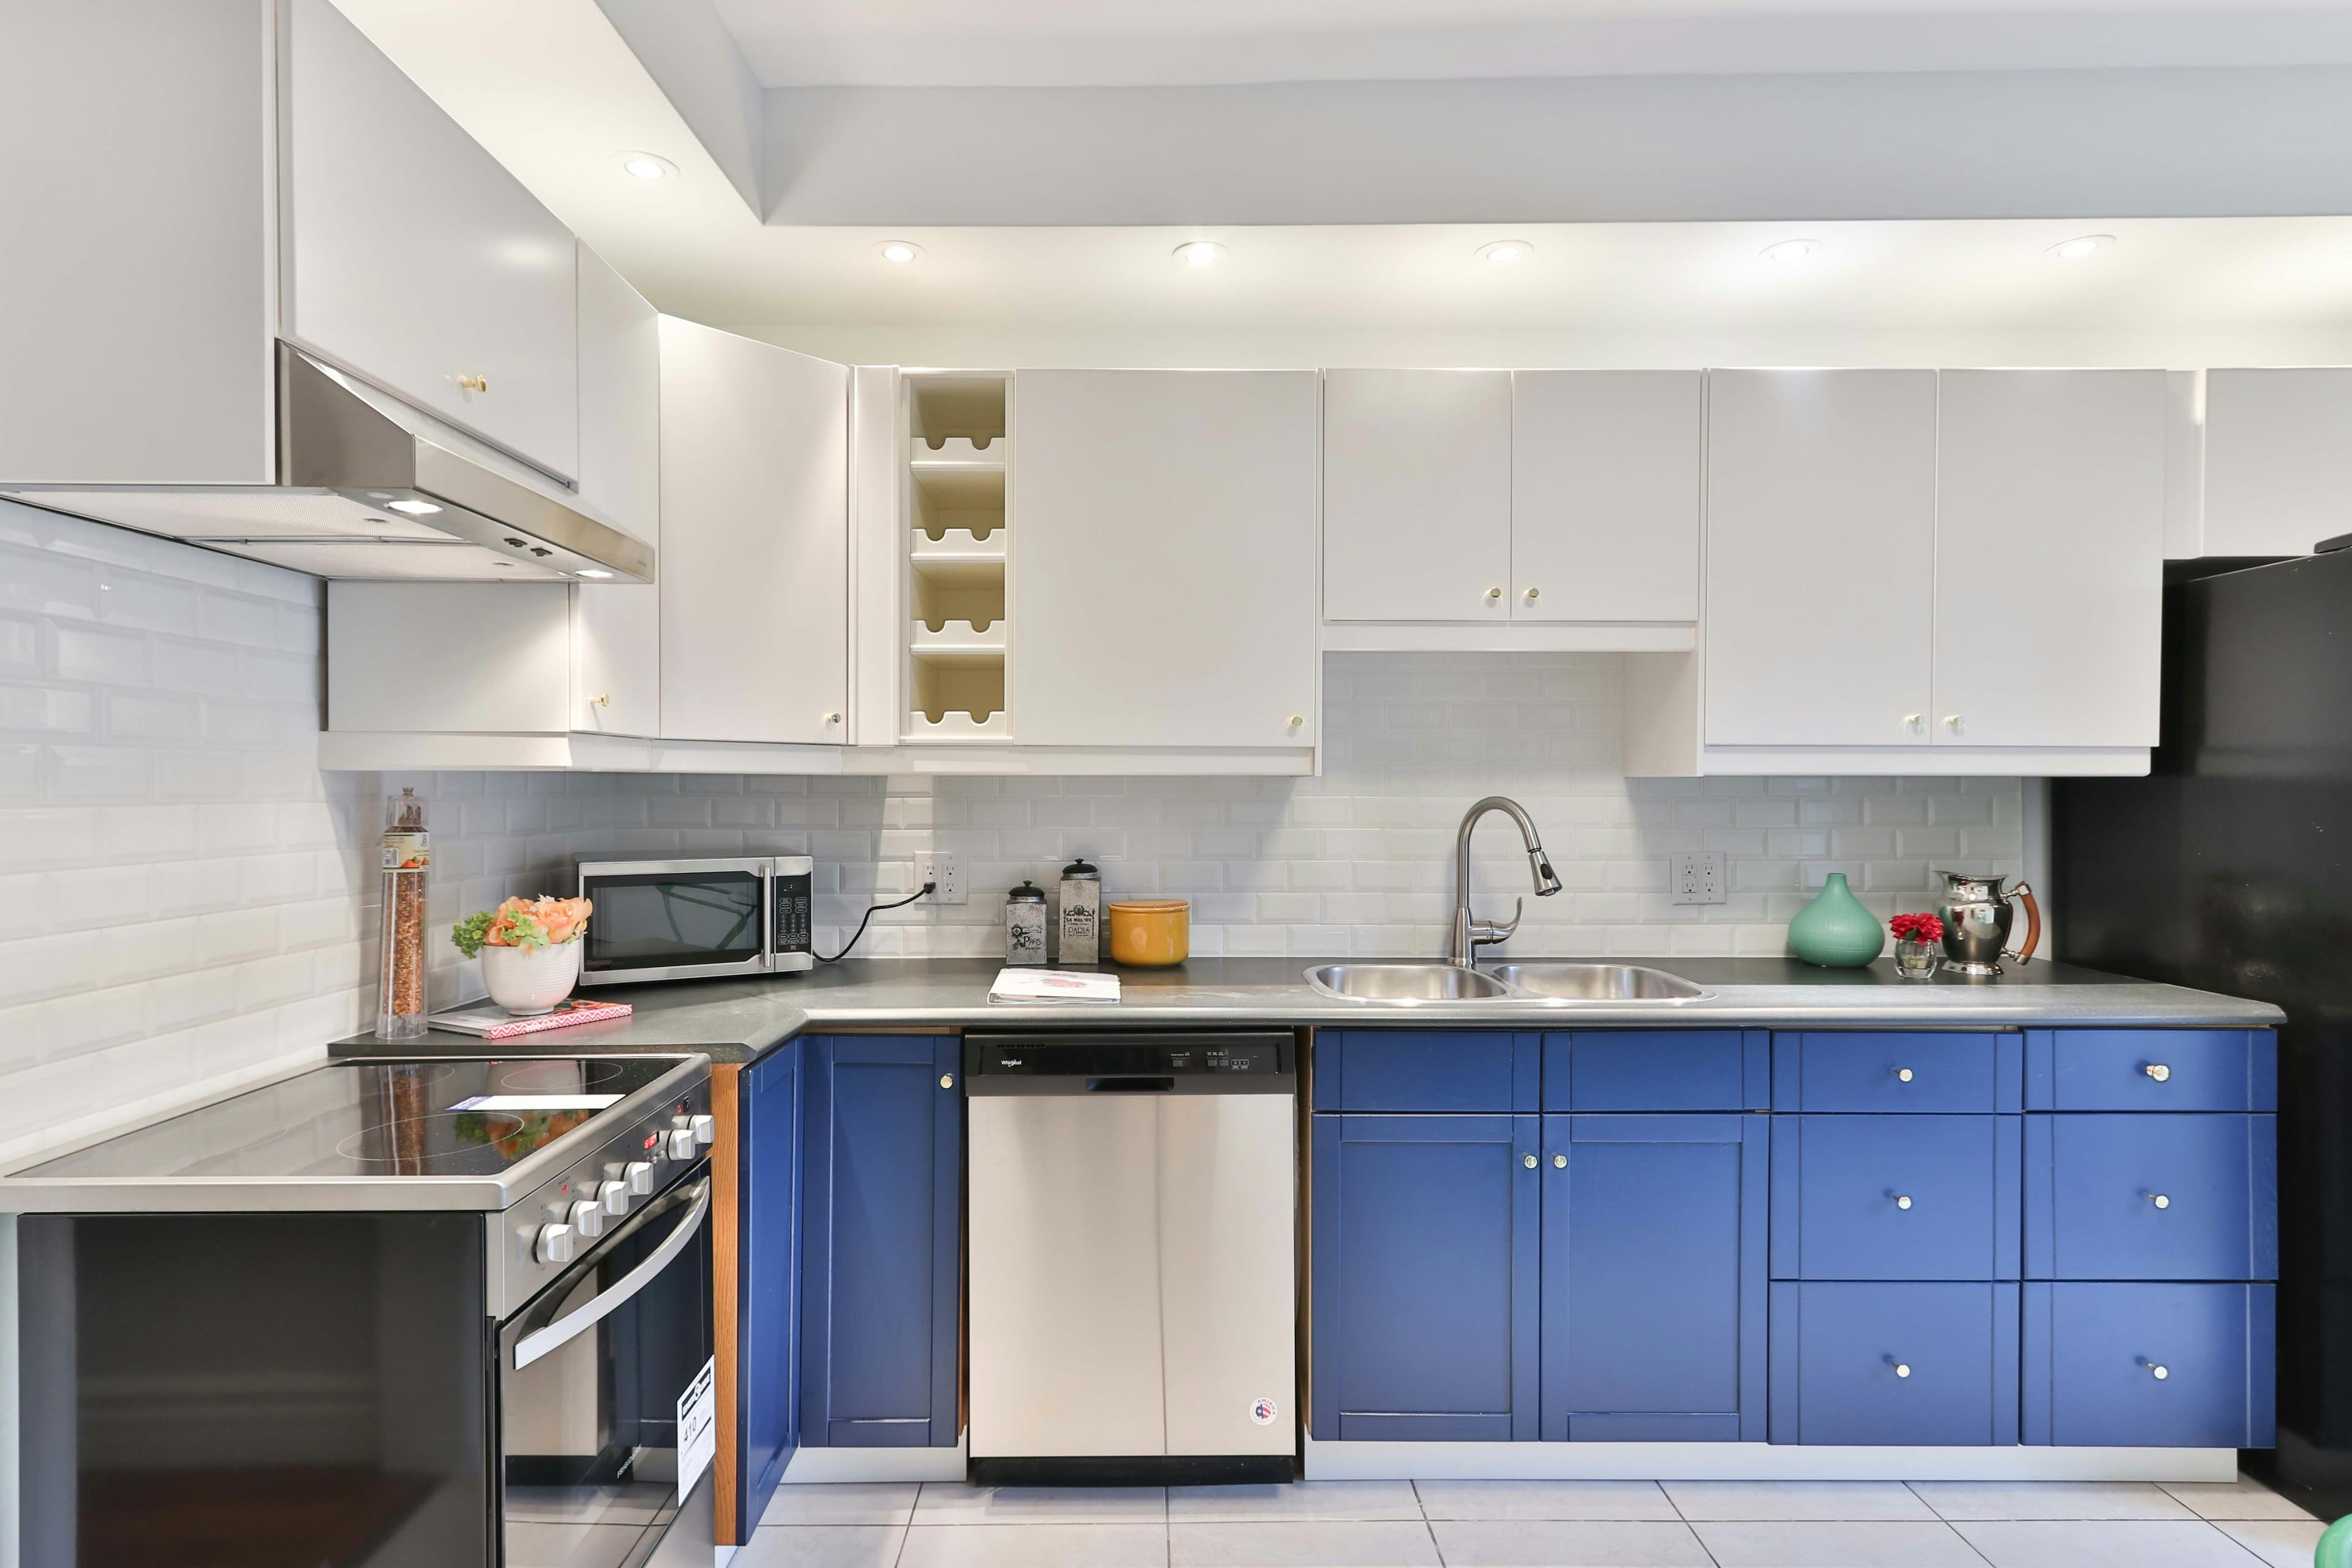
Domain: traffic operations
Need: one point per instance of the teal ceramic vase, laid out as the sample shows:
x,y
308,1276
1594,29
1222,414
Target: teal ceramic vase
x,y
2335,1548
1834,930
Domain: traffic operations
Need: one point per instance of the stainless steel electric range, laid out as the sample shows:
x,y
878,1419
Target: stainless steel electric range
x,y
440,1313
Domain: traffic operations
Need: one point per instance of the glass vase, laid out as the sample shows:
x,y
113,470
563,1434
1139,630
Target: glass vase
x,y
1917,960
400,973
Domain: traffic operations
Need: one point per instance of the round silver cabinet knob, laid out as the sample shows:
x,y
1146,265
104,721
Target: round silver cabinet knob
x,y
1902,1368
614,1196
553,1245
1903,1075
1912,721
1902,1200
1559,1162
946,1081
680,1144
2158,1071
641,1177
705,1130
2156,1370
1957,721
1529,1161
587,1219
2159,1200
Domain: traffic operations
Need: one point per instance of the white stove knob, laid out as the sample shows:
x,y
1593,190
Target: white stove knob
x,y
587,1219
553,1243
641,1177
680,1144
705,1130
614,1196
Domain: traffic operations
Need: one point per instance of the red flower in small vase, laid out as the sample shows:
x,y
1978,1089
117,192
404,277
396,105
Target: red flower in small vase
x,y
1916,928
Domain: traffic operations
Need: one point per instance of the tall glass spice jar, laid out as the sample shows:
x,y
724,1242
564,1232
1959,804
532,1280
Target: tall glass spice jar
x,y
400,977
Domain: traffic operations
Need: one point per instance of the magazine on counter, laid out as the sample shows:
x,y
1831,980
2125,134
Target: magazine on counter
x,y
492,1022
1053,985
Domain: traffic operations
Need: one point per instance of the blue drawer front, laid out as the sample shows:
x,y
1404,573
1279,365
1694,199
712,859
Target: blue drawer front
x,y
1838,1351
1928,1071
1425,1277
1425,1071
2091,1351
2151,1069
1656,1069
2092,1184
1839,1182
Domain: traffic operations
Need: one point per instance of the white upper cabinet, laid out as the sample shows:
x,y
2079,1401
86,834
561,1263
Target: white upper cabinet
x,y
754,572
410,257
1164,589
1416,495
1605,471
2048,557
2278,459
1821,557
617,626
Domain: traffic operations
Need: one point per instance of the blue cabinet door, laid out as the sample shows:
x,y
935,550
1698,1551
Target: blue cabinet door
x,y
768,1122
880,1232
2124,1196
1895,1198
1905,1364
2186,1367
1425,1277
2151,1069
1904,1071
1653,1278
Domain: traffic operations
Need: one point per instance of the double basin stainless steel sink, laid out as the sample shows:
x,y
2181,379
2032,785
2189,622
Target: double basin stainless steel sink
x,y
1556,982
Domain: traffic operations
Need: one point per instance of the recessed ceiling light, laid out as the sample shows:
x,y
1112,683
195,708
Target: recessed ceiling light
x,y
2081,246
647,167
1792,250
592,572
1502,252
900,252
413,508
1200,253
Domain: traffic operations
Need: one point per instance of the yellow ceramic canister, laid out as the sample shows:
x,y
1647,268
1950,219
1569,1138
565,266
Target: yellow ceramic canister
x,y
1150,934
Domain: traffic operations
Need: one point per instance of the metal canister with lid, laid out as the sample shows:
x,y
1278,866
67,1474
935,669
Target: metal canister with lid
x,y
1025,924
1081,913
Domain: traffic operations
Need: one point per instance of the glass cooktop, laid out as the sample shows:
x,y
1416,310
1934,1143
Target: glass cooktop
x,y
375,1118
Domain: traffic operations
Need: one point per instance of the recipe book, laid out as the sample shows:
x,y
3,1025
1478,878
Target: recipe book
x,y
495,1023
1053,985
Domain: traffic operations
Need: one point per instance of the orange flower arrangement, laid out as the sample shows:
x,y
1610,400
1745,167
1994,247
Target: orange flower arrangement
x,y
523,922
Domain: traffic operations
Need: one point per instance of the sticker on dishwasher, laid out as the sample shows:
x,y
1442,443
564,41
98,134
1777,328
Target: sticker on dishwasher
x,y
698,1426
1264,1412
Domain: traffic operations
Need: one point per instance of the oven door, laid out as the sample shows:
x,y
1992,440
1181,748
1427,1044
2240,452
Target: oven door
x,y
606,1399
674,919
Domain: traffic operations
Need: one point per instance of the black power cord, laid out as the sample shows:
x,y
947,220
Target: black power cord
x,y
924,891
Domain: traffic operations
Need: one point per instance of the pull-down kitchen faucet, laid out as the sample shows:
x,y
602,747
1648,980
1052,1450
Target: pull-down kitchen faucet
x,y
1470,935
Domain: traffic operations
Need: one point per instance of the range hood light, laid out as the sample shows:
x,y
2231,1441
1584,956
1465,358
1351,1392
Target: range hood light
x,y
592,572
414,508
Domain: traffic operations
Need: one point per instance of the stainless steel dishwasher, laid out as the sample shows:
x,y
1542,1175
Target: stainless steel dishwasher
x,y
1133,1248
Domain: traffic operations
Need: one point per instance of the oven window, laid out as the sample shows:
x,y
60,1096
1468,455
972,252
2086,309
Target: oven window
x,y
662,921
590,1424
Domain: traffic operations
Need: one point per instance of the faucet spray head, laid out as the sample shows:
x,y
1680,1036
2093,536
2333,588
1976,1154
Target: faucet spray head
x,y
1547,883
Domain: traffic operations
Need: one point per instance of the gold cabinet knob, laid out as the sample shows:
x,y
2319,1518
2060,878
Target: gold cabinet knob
x,y
475,383
1296,720
946,1081
1535,593
1494,593
1955,720
601,701
1913,720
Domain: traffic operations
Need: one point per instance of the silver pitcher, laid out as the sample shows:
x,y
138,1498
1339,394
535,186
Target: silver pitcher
x,y
1977,916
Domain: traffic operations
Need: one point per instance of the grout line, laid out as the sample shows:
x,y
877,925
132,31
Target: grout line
x,y
1963,1540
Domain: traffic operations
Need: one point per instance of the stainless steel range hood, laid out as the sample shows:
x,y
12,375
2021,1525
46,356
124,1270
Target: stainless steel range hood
x,y
370,488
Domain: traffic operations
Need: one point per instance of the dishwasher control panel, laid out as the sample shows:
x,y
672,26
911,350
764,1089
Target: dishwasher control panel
x,y
1132,1063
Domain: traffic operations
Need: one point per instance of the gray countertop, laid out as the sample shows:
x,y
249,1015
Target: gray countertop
x,y
739,1020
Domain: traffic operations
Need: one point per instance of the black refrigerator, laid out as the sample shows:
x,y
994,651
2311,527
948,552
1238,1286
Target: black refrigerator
x,y
2229,868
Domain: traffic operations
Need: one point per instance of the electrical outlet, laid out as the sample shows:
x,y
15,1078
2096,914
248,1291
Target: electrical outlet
x,y
944,866
1698,877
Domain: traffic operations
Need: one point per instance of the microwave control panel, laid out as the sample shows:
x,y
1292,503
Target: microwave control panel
x,y
793,897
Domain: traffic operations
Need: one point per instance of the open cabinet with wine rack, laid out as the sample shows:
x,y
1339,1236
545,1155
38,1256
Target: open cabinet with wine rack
x,y
959,554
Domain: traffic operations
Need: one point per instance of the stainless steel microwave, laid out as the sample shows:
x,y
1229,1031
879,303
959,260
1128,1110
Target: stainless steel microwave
x,y
682,920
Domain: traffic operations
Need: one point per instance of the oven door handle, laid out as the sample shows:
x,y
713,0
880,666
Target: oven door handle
x,y
541,1342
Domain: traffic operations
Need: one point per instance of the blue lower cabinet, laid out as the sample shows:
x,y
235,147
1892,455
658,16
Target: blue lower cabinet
x,y
1896,1197
1434,1070
2151,1069
1657,1069
1653,1278
882,1175
1903,1072
2160,1196
2149,1365
768,1123
1904,1362
1425,1277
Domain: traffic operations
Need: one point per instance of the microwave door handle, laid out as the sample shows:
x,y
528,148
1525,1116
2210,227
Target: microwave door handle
x,y
585,1316
767,914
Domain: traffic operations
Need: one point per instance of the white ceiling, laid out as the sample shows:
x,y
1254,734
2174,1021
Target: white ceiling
x,y
1064,43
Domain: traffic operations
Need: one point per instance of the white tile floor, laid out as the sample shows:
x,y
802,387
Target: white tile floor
x,y
1537,1524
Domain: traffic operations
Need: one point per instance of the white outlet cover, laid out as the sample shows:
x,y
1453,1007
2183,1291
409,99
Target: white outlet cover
x,y
944,866
1697,877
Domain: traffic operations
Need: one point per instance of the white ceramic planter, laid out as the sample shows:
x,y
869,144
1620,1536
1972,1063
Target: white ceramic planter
x,y
528,980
